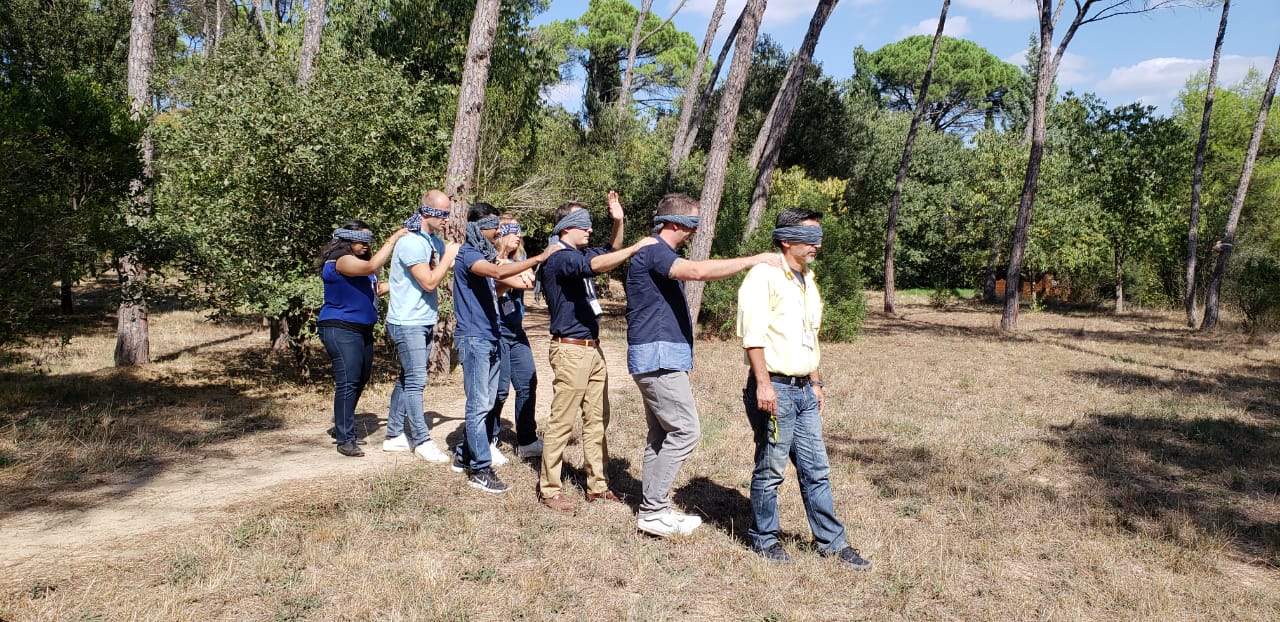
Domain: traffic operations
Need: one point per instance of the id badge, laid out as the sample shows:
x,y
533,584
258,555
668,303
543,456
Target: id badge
x,y
508,307
595,307
808,340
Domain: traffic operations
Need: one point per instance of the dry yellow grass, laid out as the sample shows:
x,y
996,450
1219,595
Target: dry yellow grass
x,y
1088,468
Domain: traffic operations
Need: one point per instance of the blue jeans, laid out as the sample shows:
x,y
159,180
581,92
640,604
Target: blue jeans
x,y
515,359
797,434
352,356
480,370
413,345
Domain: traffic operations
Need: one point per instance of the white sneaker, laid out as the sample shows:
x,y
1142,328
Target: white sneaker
x,y
668,523
396,443
495,455
429,452
532,450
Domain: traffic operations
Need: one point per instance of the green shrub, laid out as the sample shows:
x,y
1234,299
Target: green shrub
x,y
1254,289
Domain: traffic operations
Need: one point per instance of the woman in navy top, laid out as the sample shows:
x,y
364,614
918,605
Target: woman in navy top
x,y
347,317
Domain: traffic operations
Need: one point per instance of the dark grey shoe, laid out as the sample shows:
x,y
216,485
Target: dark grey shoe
x,y
486,480
849,556
349,448
776,554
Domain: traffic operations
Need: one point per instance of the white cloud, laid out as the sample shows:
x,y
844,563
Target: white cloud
x,y
1167,75
567,94
1073,73
956,27
1010,10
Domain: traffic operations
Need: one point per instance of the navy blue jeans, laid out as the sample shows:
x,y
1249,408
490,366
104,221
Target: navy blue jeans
x,y
480,370
515,359
795,433
352,356
413,345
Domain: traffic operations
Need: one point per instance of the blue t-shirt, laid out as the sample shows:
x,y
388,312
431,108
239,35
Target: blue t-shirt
x,y
348,298
659,332
474,301
409,304
511,315
565,289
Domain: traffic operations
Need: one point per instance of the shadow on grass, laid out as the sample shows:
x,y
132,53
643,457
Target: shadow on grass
x,y
727,509
75,432
1249,387
1161,473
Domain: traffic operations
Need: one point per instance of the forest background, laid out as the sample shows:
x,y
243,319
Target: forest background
x,y
251,157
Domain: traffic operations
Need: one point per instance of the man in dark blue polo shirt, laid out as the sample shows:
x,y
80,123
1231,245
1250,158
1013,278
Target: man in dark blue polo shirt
x,y
476,310
580,380
660,354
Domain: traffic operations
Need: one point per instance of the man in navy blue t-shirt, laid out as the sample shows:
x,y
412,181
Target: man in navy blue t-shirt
x,y
580,380
660,354
476,335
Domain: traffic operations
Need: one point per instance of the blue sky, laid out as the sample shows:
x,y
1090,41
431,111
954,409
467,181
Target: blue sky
x,y
1124,59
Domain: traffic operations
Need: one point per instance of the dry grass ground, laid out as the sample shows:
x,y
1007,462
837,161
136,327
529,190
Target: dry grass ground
x,y
1088,468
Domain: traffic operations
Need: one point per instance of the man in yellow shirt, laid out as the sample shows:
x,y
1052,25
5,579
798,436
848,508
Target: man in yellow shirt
x,y
779,314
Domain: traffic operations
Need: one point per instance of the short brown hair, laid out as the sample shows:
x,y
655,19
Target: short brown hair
x,y
564,210
676,204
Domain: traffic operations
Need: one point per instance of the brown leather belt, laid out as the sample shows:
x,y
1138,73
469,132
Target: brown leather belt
x,y
590,343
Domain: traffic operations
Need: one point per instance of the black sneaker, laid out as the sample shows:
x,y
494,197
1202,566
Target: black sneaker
x,y
486,480
849,556
349,448
776,554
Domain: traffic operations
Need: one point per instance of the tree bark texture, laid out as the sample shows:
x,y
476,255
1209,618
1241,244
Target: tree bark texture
x,y
722,143
690,100
624,97
133,342
1211,299
463,152
1017,250
1197,172
768,146
310,40
895,201
708,89
1119,274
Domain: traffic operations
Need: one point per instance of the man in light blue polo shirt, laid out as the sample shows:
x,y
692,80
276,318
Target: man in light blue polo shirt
x,y
660,355
420,262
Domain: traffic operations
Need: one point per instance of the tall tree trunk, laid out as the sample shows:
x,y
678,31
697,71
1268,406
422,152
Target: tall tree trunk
x,y
66,299
310,40
689,102
895,201
708,89
217,23
1237,204
768,146
722,143
1197,172
624,96
133,341
464,150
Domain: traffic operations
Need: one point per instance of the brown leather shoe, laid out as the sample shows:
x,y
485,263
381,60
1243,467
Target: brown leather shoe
x,y
558,503
606,495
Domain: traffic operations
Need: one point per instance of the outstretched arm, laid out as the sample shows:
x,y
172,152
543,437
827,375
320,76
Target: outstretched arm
x,y
350,265
616,214
716,269
608,261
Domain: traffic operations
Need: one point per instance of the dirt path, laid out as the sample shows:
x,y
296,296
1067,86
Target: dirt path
x,y
116,519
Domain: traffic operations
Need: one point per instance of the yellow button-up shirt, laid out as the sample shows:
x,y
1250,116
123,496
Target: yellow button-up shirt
x,y
780,314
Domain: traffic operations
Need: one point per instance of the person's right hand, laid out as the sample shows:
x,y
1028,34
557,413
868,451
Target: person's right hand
x,y
648,240
772,259
766,397
451,248
550,250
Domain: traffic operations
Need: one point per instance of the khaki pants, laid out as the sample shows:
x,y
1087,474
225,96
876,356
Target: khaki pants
x,y
580,383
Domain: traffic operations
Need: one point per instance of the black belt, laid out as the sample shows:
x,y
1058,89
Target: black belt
x,y
795,381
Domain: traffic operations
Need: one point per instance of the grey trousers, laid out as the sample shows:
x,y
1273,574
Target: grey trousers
x,y
674,431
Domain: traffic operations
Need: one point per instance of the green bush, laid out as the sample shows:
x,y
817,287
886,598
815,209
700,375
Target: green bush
x,y
1254,289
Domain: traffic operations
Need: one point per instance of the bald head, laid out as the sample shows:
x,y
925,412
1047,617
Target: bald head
x,y
437,199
